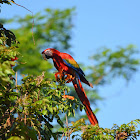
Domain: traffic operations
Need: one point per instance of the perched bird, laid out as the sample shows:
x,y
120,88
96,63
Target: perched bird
x,y
66,65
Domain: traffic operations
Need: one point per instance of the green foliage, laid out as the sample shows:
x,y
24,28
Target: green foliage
x,y
30,111
51,29
33,108
6,38
10,37
125,131
110,64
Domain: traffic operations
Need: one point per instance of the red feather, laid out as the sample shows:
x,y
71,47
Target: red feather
x,y
69,68
82,96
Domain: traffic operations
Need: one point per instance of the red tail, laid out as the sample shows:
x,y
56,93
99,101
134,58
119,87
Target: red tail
x,y
82,96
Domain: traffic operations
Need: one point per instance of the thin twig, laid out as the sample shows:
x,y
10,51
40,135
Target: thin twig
x,y
38,94
62,136
32,17
16,85
66,121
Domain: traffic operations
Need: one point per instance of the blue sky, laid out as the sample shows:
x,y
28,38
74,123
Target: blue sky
x,y
99,23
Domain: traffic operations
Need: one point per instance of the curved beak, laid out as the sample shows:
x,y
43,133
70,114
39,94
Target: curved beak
x,y
45,57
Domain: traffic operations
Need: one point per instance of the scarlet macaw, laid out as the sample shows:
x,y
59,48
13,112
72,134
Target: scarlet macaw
x,y
66,65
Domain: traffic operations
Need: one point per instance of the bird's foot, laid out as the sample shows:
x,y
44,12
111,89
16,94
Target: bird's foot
x,y
69,78
58,76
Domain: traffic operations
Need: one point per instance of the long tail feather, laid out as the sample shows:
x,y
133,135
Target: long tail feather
x,y
82,96
84,80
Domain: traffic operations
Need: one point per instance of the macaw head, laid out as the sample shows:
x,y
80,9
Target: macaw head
x,y
49,53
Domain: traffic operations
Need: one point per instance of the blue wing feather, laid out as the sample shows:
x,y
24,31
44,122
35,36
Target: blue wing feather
x,y
79,70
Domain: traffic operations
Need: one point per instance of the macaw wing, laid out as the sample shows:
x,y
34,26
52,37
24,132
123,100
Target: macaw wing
x,y
74,65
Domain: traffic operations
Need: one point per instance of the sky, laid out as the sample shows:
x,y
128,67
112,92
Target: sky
x,y
99,23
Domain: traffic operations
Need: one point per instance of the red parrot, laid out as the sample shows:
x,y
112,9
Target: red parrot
x,y
66,65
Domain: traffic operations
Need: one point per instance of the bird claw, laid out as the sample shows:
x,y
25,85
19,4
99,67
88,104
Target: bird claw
x,y
68,79
58,77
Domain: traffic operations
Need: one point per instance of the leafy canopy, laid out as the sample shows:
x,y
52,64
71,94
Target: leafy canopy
x,y
32,109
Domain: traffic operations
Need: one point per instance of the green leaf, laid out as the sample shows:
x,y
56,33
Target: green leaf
x,y
45,112
15,138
